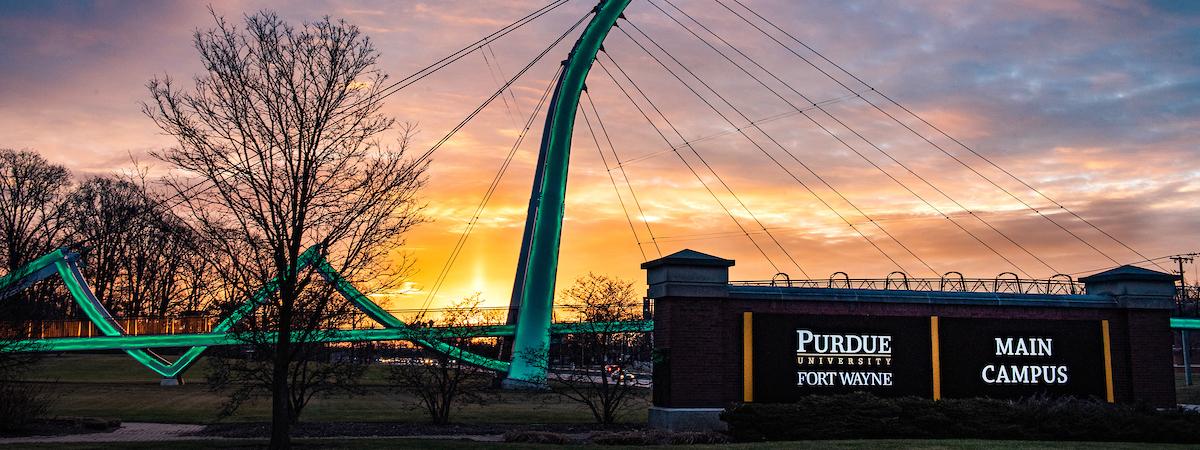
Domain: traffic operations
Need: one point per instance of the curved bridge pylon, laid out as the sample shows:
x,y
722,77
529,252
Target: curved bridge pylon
x,y
538,263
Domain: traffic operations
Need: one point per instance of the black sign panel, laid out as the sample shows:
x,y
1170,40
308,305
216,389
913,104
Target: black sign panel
x,y
796,355
1019,358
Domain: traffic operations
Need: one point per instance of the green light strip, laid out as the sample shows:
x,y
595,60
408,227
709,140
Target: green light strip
x,y
64,264
379,315
380,334
37,270
1185,323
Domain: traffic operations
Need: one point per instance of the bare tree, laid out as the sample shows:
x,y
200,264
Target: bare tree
x,y
166,268
139,257
440,382
31,195
280,134
597,363
102,214
318,369
20,403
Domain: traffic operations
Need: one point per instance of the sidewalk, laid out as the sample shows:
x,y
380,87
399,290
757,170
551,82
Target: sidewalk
x,y
164,432
129,432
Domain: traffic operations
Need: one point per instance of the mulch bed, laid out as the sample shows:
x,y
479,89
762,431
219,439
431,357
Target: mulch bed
x,y
342,429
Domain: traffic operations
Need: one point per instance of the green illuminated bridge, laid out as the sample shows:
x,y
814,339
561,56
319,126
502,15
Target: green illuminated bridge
x,y
65,264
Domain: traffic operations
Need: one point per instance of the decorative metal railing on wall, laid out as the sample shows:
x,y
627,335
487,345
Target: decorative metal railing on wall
x,y
953,282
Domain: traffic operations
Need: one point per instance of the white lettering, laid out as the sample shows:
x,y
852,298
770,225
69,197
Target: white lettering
x,y
1003,346
1044,346
843,378
854,343
805,337
814,378
809,343
1024,346
1017,374
865,378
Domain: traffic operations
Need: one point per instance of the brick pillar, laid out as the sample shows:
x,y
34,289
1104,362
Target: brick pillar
x,y
1142,354
690,339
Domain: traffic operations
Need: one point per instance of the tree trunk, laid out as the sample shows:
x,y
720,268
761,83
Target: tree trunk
x,y
281,419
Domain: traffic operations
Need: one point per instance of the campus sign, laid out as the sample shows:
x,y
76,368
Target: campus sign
x,y
1020,358
795,355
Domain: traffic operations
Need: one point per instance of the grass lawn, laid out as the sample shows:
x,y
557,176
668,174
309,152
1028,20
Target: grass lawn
x,y
1185,394
458,444
116,386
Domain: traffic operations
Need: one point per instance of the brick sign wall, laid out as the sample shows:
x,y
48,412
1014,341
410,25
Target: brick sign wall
x,y
718,343
786,356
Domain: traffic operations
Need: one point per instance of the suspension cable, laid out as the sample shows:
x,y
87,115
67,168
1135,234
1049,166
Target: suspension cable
x,y
453,57
613,179
500,91
184,194
487,196
503,98
624,174
784,168
1149,260
751,124
681,158
717,234
710,169
943,133
857,134
500,70
421,74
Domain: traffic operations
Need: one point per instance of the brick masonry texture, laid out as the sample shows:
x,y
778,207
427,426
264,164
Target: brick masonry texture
x,y
701,342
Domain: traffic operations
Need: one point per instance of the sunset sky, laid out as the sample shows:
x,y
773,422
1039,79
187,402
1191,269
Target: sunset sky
x,y
1096,104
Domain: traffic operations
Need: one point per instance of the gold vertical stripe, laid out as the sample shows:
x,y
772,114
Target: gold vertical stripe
x,y
747,356
936,356
1108,377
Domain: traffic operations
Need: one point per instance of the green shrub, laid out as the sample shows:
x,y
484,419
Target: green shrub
x,y
538,437
695,437
98,423
21,406
656,437
865,416
626,438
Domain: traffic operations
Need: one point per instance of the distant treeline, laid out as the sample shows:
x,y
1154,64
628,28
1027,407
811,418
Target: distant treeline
x,y
139,258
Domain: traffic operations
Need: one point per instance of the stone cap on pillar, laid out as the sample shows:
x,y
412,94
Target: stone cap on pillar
x,y
688,273
1134,287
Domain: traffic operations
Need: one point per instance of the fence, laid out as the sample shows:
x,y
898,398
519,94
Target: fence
x,y
140,326
953,282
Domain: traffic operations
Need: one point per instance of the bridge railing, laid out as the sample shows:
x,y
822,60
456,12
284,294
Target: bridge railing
x,y
146,326
134,326
954,282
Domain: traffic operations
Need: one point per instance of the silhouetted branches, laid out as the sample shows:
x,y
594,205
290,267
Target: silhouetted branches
x,y
277,141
